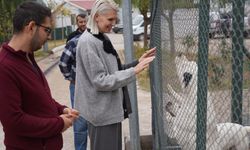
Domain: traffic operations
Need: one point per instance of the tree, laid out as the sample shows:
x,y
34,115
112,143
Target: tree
x,y
143,6
64,12
59,9
7,9
168,9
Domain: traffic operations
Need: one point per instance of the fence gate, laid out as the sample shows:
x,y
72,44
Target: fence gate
x,y
200,80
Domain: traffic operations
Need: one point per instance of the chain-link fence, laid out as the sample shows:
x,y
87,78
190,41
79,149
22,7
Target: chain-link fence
x,y
200,80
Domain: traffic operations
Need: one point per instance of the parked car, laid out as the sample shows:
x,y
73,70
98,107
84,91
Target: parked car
x,y
138,28
118,28
138,31
221,24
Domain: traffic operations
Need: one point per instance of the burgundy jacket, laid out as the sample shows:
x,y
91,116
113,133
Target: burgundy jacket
x,y
28,113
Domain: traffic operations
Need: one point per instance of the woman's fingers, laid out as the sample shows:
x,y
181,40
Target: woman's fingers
x,y
143,64
148,60
151,52
147,54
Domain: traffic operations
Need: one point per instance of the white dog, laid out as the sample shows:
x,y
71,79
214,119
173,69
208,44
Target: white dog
x,y
219,136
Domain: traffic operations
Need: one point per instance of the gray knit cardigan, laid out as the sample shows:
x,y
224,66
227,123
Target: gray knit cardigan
x,y
98,92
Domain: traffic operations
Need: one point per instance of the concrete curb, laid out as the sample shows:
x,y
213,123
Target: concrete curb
x,y
56,62
58,48
46,71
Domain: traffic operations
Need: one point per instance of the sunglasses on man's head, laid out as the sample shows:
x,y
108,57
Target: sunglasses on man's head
x,y
47,29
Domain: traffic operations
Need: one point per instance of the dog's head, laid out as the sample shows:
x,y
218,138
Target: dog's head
x,y
187,72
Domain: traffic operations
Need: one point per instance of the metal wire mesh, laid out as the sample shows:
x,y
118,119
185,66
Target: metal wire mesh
x,y
200,80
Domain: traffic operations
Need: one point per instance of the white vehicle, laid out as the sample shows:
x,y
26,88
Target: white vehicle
x,y
118,28
138,28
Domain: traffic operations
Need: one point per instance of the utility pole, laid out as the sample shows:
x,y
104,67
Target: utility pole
x,y
128,46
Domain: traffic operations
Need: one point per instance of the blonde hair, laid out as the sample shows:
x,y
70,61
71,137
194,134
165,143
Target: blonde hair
x,y
100,6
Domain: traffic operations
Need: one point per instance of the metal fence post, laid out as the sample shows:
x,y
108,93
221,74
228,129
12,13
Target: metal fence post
x,y
159,137
237,59
129,56
202,75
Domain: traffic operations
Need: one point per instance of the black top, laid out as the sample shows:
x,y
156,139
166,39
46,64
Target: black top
x,y
73,34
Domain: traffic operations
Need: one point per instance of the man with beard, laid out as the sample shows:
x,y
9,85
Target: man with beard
x,y
31,118
81,21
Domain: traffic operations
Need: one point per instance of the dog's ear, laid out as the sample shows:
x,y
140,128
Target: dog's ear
x,y
187,78
168,109
179,55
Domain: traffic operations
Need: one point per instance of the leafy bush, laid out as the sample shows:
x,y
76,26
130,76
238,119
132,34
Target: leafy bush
x,y
225,50
143,77
189,42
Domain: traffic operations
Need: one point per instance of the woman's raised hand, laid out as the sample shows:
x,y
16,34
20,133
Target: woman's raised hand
x,y
148,53
144,63
145,59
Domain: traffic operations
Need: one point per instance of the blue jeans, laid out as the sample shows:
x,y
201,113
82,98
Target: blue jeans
x,y
80,125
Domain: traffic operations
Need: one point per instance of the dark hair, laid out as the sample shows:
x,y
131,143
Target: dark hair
x,y
80,15
29,11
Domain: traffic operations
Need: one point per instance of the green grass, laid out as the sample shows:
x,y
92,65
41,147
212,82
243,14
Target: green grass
x,y
143,77
143,80
39,54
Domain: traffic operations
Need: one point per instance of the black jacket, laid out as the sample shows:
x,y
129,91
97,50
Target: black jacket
x,y
73,34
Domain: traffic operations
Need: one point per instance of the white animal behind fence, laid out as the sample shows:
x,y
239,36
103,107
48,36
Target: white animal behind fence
x,y
219,136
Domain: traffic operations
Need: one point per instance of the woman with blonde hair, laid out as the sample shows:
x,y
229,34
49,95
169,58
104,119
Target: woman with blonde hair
x,y
101,94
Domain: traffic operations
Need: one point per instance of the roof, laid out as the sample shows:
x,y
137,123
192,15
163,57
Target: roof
x,y
82,4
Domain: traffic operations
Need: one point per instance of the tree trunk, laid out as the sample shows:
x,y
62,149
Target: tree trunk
x,y
171,31
145,35
169,19
62,29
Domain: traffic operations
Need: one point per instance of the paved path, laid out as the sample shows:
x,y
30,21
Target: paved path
x,y
60,92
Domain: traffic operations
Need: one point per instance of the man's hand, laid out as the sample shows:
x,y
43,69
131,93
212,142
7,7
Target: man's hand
x,y
72,113
68,121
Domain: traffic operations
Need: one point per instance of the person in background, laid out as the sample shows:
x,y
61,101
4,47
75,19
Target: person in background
x,y
67,66
101,94
81,21
31,118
